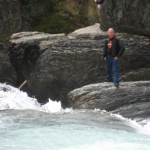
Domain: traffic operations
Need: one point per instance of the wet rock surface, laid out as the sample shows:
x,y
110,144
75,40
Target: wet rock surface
x,y
131,99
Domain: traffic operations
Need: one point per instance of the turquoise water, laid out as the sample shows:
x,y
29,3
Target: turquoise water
x,y
32,130
49,127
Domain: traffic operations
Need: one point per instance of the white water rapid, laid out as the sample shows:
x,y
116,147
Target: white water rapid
x,y
26,125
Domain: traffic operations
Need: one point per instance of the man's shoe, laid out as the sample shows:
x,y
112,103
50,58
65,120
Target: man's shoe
x,y
116,85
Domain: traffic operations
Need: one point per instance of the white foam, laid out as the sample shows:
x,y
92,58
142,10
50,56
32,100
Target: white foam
x,y
13,98
52,107
147,126
133,123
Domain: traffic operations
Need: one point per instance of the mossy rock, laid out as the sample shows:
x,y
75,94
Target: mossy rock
x,y
57,16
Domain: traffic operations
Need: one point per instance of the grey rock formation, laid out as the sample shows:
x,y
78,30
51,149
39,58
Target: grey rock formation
x,y
7,72
54,65
131,99
126,16
10,22
10,18
26,48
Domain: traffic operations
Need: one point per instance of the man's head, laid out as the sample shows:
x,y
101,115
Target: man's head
x,y
111,33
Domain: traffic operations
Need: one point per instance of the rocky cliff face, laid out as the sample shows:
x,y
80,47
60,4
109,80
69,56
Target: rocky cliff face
x,y
10,22
56,64
59,16
7,72
48,15
127,16
10,18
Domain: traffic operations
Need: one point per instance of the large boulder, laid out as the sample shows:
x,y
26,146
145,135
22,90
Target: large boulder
x,y
131,99
25,49
53,66
56,64
126,16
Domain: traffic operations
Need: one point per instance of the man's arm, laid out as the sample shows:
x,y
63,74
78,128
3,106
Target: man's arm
x,y
105,49
121,49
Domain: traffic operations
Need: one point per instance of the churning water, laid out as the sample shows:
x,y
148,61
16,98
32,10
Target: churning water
x,y
25,125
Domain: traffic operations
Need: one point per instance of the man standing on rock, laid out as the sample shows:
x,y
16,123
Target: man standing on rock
x,y
113,50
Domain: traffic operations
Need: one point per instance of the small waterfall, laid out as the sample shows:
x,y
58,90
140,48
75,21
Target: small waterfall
x,y
13,98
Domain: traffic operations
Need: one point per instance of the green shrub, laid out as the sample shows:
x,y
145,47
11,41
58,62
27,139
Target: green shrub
x,y
54,23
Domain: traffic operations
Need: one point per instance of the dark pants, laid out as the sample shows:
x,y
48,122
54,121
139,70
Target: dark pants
x,y
112,65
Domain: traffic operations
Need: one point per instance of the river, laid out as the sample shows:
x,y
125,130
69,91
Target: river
x,y
26,125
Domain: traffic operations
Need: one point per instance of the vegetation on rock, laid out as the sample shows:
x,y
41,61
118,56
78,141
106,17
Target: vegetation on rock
x,y
51,16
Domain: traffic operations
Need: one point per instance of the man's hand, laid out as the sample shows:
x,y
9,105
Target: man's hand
x,y
105,58
116,58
